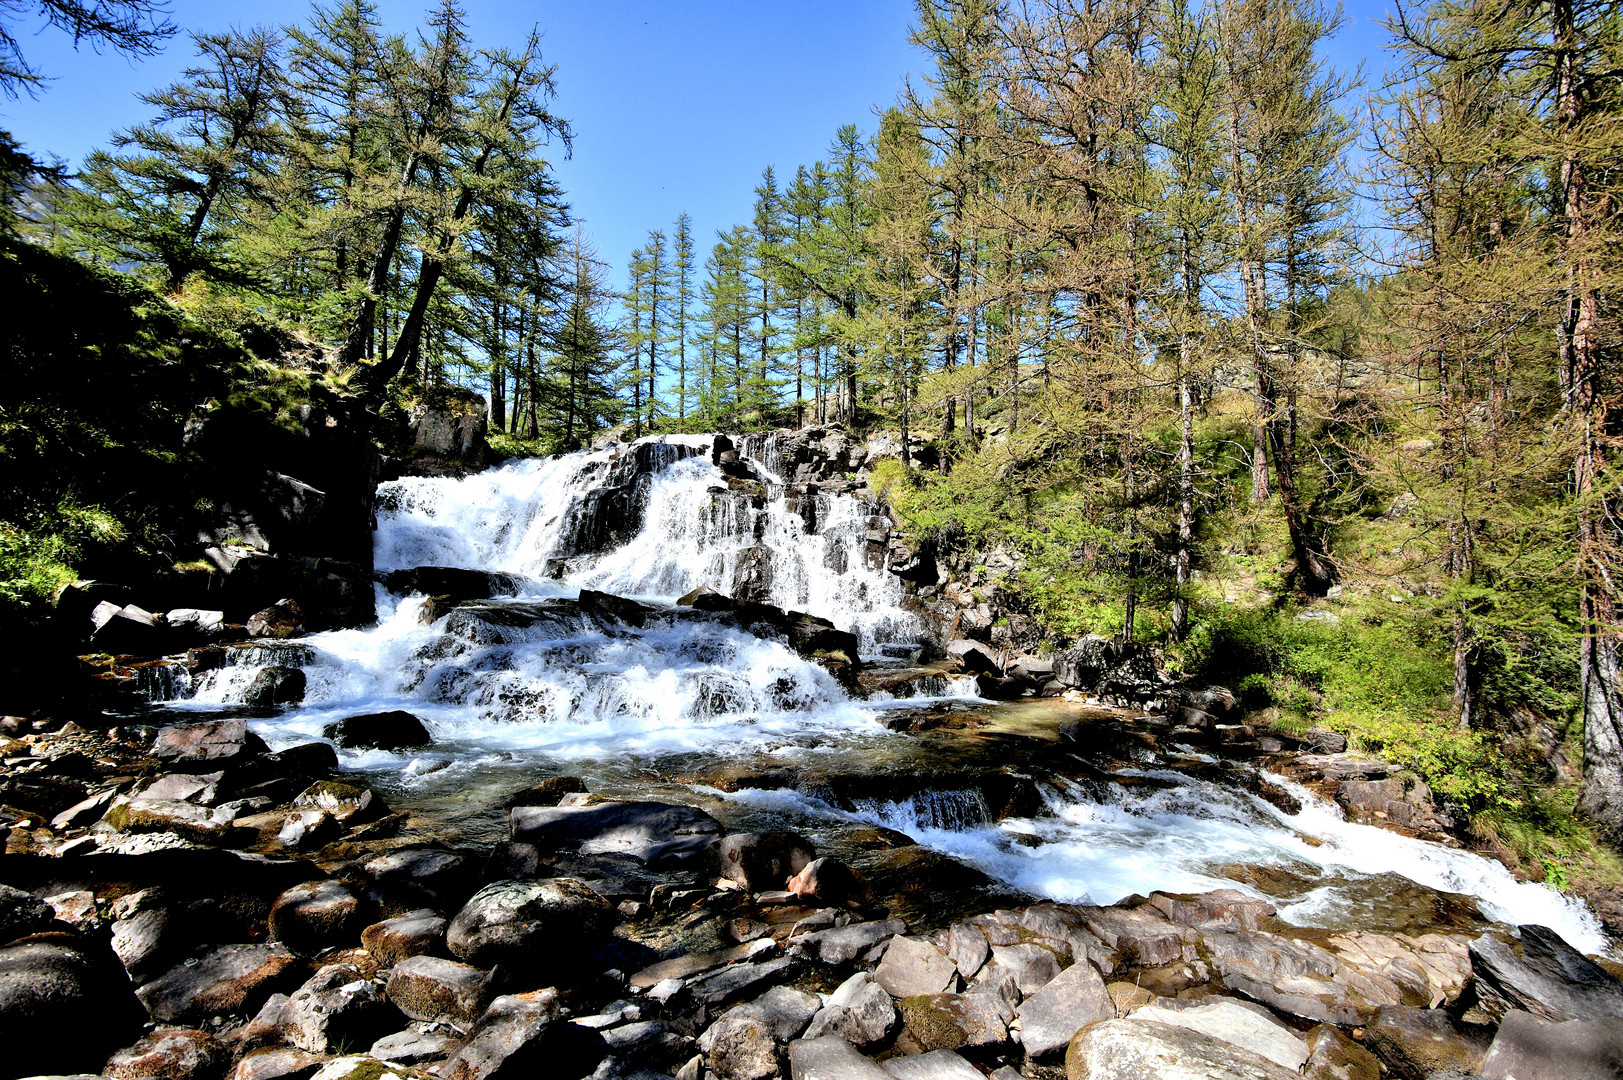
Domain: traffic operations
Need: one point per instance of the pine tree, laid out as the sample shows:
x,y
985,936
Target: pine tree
x,y
682,268
169,198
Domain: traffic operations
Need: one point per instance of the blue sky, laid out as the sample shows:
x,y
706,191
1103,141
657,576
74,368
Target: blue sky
x,y
676,106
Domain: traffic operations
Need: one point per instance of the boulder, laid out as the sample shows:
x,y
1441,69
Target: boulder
x,y
172,1054
764,861
935,1065
337,1007
283,619
57,984
126,629
315,915
274,686
1075,998
415,933
1525,1049
206,746
1238,1023
276,1063
858,1011
966,945
974,657
520,1035
22,913
1031,966
1334,1056
842,944
419,876
349,804
650,832
1134,1049
952,1021
448,426
830,883
393,731
830,1057
412,1047
1299,977
194,823
198,624
229,980
912,967
1544,975
1414,1043
430,989
536,929
743,1042
455,582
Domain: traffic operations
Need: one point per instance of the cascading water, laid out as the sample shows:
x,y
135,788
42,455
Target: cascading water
x,y
533,678
652,520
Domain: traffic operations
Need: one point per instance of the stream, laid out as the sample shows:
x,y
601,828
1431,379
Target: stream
x,y
520,687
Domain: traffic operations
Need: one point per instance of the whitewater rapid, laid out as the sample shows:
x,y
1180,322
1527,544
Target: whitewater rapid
x,y
567,693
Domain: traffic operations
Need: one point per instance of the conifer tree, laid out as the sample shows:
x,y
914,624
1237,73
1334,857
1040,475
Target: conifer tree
x,y
682,268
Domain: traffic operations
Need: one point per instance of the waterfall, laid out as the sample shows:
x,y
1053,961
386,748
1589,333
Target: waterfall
x,y
653,520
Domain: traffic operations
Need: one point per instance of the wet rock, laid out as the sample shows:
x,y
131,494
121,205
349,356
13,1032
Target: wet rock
x,y
174,1054
231,979
1544,975
1433,967
952,1021
764,861
349,804
206,746
858,1011
58,984
743,1042
1414,1043
1238,1023
936,1065
456,582
1525,1049
1072,1000
310,917
414,1047
77,909
277,1063
537,928
830,1058
547,793
308,830
1333,1056
829,882
842,944
518,1036
337,1007
428,988
393,730
275,685
22,913
653,833
414,934
912,967
1132,1050
283,619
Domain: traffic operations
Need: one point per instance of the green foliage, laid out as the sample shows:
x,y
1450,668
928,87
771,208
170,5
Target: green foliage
x,y
101,377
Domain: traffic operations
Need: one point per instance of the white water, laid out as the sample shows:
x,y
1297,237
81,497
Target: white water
x,y
1177,839
574,689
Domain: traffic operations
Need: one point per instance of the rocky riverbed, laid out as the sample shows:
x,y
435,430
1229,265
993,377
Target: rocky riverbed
x,y
181,902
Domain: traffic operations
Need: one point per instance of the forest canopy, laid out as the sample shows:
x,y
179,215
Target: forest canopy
x,y
1346,435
